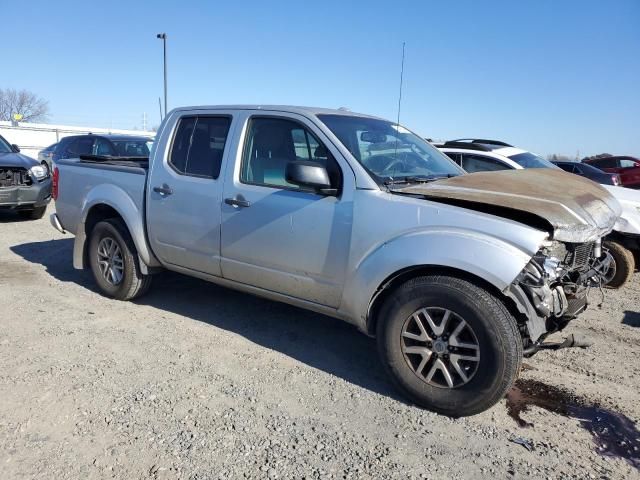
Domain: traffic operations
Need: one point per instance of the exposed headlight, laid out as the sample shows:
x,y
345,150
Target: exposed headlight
x,y
39,172
552,267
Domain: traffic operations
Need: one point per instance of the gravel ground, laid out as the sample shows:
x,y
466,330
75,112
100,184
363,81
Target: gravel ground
x,y
195,381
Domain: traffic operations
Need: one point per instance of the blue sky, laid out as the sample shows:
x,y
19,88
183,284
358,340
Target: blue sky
x,y
549,76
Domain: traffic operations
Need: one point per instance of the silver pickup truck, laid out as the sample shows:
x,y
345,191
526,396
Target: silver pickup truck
x,y
458,276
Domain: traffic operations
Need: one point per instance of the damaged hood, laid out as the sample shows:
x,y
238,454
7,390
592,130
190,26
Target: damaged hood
x,y
574,209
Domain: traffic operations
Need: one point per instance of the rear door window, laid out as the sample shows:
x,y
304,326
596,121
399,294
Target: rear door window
x,y
199,144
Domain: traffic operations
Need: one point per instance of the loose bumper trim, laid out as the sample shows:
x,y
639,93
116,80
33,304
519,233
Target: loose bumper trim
x,y
55,221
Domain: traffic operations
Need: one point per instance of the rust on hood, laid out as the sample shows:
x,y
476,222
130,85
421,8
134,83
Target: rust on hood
x,y
576,209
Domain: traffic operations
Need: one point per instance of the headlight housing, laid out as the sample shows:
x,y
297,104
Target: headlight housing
x,y
39,172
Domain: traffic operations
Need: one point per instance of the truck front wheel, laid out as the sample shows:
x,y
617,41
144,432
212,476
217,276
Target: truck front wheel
x,y
113,260
449,345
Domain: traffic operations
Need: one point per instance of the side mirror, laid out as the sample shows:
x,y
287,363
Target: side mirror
x,y
15,148
310,175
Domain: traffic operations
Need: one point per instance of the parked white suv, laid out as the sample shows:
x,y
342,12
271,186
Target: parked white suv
x,y
483,155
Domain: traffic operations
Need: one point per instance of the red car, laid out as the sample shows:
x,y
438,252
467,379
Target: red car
x,y
627,167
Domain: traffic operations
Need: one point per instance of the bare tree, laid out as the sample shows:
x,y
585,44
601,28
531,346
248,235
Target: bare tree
x,y
22,102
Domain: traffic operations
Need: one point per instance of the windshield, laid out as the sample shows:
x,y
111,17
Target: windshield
x,y
388,151
4,146
531,160
132,148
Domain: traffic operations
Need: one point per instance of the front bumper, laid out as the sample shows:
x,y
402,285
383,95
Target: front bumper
x,y
27,196
550,292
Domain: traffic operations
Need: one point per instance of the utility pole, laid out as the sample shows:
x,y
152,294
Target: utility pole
x,y
144,121
163,37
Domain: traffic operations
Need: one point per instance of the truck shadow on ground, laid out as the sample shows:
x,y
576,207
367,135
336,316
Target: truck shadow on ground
x,y
631,318
319,341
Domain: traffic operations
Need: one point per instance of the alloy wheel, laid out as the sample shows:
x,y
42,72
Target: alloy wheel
x,y
110,261
440,347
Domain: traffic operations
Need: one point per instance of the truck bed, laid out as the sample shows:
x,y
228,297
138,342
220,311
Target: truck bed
x,y
84,181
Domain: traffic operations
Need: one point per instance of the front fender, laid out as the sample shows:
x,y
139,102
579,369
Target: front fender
x,y
495,260
115,197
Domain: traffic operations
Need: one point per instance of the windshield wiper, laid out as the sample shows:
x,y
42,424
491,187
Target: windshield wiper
x,y
417,179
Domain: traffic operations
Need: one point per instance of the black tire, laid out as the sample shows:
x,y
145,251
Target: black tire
x,y
623,267
33,214
495,329
133,283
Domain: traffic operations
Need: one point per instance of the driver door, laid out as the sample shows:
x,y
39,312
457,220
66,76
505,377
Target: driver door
x,y
275,235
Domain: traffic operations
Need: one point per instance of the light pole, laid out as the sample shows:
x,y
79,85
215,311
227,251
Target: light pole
x,y
163,37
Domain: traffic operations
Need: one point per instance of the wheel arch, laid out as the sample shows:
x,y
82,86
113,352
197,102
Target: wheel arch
x,y
395,280
490,261
98,207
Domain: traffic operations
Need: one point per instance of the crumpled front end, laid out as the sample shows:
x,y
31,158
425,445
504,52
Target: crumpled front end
x,y
553,287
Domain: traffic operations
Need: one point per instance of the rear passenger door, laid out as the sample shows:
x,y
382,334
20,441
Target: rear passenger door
x,y
184,193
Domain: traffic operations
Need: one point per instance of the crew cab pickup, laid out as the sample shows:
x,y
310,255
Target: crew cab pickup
x,y
458,276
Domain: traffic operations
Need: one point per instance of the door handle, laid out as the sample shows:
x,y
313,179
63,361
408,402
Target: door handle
x,y
164,190
239,201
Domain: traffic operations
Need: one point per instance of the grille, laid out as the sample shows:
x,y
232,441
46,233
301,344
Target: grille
x,y
578,256
13,177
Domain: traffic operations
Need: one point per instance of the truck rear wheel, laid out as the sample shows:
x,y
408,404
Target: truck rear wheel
x,y
113,260
623,265
449,345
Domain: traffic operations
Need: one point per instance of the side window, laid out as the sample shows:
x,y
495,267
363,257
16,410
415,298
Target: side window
x,y
567,167
181,144
80,146
606,163
478,163
627,163
454,156
103,147
271,143
199,144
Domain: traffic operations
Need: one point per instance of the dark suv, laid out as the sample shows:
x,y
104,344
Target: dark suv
x,y
25,184
590,172
112,145
627,167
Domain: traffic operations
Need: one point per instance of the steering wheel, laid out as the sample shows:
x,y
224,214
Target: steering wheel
x,y
399,164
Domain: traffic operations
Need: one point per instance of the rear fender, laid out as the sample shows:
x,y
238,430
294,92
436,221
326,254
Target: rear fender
x,y
494,260
116,198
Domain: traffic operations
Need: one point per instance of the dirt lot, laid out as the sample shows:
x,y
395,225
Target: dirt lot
x,y
199,382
